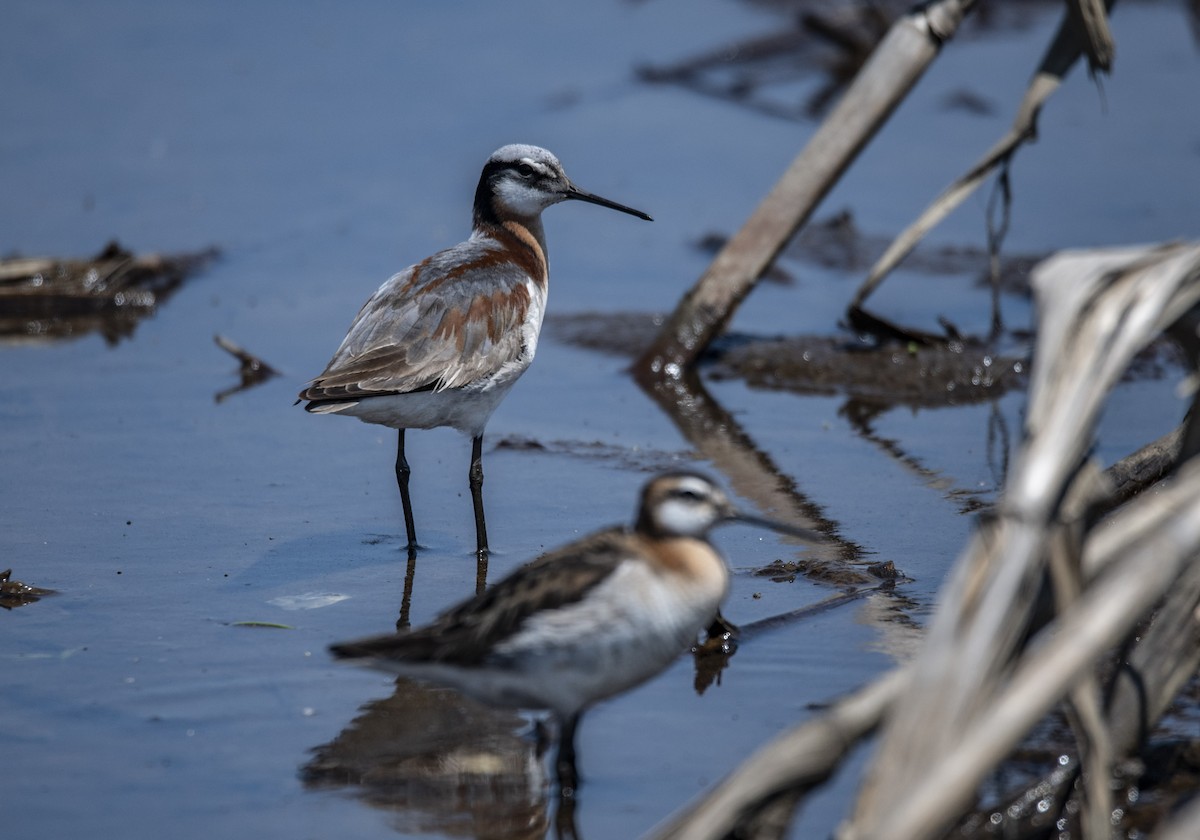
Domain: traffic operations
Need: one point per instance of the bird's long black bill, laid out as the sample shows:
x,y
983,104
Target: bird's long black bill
x,y
578,194
781,527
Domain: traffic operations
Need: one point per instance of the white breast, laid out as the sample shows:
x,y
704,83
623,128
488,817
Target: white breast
x,y
626,630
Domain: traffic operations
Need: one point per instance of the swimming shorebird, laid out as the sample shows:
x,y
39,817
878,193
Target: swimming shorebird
x,y
584,622
442,342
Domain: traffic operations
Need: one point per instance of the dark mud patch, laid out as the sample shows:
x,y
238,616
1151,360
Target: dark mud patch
x,y
44,298
785,571
14,593
958,373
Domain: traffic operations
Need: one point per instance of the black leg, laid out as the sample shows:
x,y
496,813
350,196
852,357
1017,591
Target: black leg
x,y
476,480
402,473
564,819
721,632
406,598
568,776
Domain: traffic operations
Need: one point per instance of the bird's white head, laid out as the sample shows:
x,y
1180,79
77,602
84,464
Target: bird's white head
x,y
687,504
682,504
520,181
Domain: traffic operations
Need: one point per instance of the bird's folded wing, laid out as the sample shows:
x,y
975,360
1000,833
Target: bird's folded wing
x,y
424,329
466,634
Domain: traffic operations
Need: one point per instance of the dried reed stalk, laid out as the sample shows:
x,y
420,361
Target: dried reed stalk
x,y
894,67
979,685
977,689
1078,33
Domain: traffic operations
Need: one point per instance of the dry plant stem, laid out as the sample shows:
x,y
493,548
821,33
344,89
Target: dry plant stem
x,y
1168,652
1097,38
1084,708
1142,574
798,760
894,67
1186,335
1158,666
1095,747
1165,657
717,436
772,820
1184,825
1096,311
963,706
1083,348
1150,464
973,690
1064,51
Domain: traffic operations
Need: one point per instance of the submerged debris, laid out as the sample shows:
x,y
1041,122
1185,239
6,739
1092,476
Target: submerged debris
x,y
957,373
912,375
253,370
43,298
762,72
13,593
785,571
797,68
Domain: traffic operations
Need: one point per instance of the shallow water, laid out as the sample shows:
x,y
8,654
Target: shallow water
x,y
321,150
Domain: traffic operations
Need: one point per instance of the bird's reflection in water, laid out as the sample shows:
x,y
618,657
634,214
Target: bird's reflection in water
x,y
440,762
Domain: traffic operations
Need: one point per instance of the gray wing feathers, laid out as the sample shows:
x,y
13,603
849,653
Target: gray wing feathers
x,y
469,633
444,323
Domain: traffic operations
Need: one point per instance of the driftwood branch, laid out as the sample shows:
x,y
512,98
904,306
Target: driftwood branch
x,y
899,60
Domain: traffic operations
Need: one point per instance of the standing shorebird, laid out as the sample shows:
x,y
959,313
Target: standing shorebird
x,y
442,342
584,622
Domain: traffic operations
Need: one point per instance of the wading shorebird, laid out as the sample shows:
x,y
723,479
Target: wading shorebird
x,y
442,342
584,622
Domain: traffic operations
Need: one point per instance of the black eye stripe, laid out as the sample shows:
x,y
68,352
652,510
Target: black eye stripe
x,y
496,170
